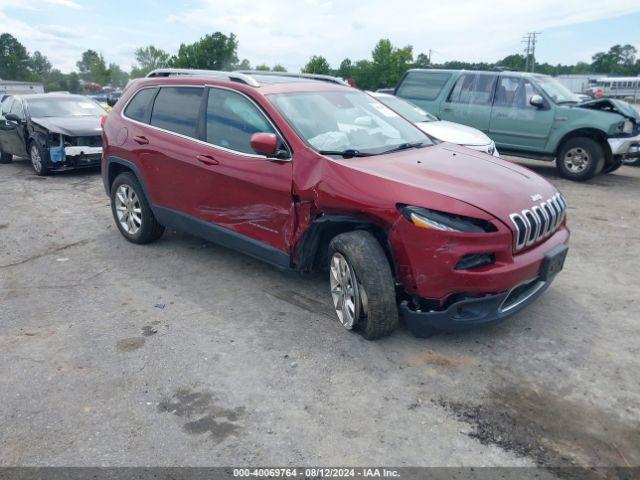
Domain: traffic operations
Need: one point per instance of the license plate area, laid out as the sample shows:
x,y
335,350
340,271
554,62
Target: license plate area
x,y
553,262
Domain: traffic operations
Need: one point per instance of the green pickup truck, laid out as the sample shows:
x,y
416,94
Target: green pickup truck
x,y
531,115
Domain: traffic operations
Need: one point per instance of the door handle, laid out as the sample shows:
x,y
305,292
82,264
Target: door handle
x,y
141,140
501,115
207,160
446,109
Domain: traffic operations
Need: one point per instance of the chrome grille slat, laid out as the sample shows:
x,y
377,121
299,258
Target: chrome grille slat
x,y
538,222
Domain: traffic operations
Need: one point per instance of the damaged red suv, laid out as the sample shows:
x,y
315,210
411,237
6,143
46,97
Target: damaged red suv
x,y
312,175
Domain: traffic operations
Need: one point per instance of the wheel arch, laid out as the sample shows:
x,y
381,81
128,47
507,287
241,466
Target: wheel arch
x,y
593,133
312,249
114,166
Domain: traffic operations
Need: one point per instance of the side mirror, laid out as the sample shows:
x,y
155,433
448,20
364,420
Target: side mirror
x,y
364,121
265,143
536,101
12,117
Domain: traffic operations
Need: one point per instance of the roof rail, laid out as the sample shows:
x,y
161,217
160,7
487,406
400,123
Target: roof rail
x,y
176,72
310,76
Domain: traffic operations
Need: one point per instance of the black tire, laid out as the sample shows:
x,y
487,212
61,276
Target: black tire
x,y
5,157
615,164
594,162
632,163
366,257
149,229
41,167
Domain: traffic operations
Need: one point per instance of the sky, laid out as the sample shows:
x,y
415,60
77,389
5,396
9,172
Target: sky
x,y
290,31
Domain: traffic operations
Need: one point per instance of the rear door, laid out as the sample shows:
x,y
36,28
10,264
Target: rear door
x,y
515,123
469,102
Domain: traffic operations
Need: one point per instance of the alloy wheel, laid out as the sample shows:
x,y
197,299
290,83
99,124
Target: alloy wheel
x,y
345,291
128,209
36,160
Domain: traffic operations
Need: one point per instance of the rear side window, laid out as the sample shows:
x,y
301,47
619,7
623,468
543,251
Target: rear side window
x,y
177,109
473,89
423,85
140,105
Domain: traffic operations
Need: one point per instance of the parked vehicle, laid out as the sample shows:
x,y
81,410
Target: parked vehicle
x,y
309,175
55,132
439,129
530,115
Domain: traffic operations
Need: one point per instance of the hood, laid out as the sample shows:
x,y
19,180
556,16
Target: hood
x,y
454,133
612,105
495,186
71,126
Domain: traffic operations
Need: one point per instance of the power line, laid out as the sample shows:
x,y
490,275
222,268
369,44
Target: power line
x,y
530,40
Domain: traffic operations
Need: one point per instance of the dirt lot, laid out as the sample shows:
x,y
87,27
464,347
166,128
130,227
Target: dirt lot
x,y
185,353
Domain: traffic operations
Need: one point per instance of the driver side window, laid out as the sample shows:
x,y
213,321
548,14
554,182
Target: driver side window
x,y
232,119
514,93
5,107
17,109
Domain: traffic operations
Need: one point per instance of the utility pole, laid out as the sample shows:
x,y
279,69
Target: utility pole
x,y
530,40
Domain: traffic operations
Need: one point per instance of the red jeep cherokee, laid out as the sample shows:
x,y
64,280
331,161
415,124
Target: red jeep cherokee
x,y
308,174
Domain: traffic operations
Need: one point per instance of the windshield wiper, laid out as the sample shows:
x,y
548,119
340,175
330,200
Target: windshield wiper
x,y
348,153
404,146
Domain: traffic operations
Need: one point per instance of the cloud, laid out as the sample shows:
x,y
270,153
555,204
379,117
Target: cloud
x,y
63,3
462,29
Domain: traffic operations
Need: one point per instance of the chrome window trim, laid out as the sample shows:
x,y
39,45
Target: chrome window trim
x,y
202,142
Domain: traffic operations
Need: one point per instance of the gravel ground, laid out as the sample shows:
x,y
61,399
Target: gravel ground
x,y
185,353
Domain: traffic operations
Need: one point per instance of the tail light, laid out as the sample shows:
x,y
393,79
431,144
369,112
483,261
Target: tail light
x,y
103,121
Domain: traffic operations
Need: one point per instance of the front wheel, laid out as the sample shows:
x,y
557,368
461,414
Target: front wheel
x,y
362,285
5,157
39,158
580,159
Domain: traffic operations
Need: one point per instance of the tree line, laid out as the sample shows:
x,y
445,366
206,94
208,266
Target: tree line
x,y
218,51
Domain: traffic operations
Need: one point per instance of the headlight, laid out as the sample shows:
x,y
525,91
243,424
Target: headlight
x,y
627,127
434,220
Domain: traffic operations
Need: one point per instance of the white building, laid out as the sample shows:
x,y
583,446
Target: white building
x,y
12,87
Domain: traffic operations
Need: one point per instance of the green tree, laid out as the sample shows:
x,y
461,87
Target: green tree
x,y
263,68
212,52
278,68
362,74
15,63
422,61
389,63
514,62
345,70
149,58
244,65
317,64
92,68
619,59
40,65
117,76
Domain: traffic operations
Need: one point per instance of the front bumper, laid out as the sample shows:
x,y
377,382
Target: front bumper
x,y
75,157
628,147
479,311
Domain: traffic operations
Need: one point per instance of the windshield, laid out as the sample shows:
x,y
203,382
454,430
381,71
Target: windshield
x,y
406,109
349,120
558,92
64,107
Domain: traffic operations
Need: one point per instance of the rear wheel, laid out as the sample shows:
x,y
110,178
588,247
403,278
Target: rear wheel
x,y
362,285
580,159
5,157
131,211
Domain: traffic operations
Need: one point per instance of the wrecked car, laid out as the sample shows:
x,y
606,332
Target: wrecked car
x,y
531,115
54,131
309,175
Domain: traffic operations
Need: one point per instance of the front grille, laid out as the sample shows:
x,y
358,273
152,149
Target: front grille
x,y
539,222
